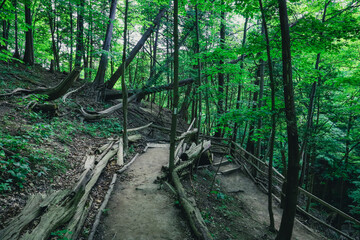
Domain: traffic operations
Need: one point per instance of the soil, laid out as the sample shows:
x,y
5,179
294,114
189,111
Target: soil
x,y
139,208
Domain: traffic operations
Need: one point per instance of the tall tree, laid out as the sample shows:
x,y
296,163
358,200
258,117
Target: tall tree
x,y
16,53
100,75
80,33
176,88
119,72
288,216
123,84
220,104
273,118
29,40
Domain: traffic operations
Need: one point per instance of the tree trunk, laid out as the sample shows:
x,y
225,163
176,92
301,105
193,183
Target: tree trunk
x,y
79,33
29,41
51,18
119,72
176,90
16,53
71,36
123,84
288,216
273,119
234,136
100,75
220,105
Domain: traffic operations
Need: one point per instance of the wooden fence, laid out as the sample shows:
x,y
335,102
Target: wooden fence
x,y
251,164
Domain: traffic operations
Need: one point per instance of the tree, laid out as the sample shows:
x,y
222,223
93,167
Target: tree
x,y
100,75
79,33
175,90
287,220
29,44
123,84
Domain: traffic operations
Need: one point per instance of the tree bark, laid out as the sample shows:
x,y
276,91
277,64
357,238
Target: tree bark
x,y
16,53
79,33
100,75
288,216
123,84
273,119
119,72
220,105
29,40
176,89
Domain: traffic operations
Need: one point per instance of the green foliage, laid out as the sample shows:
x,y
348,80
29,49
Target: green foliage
x,y
60,234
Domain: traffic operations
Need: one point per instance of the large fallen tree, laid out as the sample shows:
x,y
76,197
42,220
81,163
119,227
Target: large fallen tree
x,y
119,72
92,115
53,92
114,94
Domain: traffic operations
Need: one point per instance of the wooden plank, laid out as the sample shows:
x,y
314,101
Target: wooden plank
x,y
120,153
158,145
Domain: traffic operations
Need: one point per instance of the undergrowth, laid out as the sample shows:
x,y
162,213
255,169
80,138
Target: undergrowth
x,y
23,136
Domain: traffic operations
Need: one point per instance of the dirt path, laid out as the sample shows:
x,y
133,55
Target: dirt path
x,y
255,202
138,209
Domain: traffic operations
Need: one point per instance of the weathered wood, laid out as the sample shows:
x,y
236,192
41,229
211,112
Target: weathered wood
x,y
188,134
89,162
139,128
192,212
158,145
163,128
102,207
134,138
128,164
228,171
195,150
31,211
108,147
54,92
179,147
76,224
346,216
120,153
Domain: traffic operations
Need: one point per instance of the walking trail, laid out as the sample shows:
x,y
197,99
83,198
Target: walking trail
x,y
138,208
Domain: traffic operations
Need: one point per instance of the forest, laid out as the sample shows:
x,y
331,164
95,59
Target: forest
x,y
279,80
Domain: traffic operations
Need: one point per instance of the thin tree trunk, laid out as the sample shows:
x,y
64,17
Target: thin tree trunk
x,y
100,75
220,105
16,53
176,89
273,119
71,36
198,82
51,17
288,216
119,72
79,33
123,84
309,123
234,136
29,41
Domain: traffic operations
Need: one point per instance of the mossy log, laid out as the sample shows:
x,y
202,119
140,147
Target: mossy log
x,y
192,212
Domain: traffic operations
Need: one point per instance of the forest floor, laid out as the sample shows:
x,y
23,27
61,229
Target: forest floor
x,y
54,147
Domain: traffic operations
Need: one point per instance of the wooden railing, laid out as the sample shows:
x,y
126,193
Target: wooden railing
x,y
249,161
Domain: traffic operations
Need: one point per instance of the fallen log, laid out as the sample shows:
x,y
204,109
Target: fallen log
x,y
188,134
53,92
139,128
102,207
111,94
120,153
127,165
192,212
